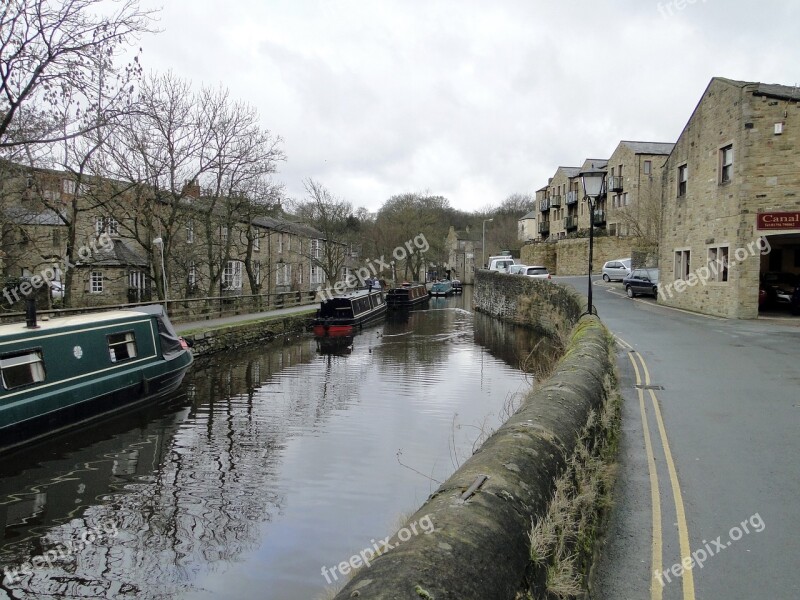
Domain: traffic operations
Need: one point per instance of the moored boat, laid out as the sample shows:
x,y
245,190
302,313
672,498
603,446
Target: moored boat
x,y
340,315
442,288
457,286
59,373
407,295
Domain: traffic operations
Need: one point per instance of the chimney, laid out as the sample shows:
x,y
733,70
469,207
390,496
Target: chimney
x,y
191,189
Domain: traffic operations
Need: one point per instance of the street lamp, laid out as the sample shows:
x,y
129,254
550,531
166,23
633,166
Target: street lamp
x,y
593,180
483,243
160,243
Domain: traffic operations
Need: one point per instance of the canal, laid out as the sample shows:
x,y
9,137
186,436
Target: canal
x,y
271,464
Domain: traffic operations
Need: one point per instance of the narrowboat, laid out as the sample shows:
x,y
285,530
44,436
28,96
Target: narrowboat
x,y
340,315
407,295
457,286
442,288
66,371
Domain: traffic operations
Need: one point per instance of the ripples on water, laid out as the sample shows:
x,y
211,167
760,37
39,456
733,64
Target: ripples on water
x,y
277,461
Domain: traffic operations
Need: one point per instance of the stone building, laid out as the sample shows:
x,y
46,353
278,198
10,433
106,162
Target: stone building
x,y
526,227
731,198
633,184
463,254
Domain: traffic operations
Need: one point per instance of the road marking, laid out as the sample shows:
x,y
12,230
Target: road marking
x,y
656,588
683,530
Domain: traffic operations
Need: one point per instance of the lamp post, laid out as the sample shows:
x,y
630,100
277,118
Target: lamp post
x,y
593,180
160,243
483,243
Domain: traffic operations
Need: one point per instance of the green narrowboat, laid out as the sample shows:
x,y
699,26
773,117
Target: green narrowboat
x,y
63,372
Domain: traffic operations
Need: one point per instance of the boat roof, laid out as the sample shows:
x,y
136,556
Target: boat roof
x,y
77,320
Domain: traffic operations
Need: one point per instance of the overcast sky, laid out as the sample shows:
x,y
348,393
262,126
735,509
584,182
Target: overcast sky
x,y
468,99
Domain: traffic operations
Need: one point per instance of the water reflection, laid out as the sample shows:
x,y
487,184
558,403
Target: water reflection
x,y
275,462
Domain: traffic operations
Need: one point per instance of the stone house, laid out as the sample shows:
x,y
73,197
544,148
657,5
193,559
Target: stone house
x,y
633,184
463,254
731,198
526,227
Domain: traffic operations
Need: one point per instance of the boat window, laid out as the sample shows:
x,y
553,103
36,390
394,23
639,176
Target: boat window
x,y
122,346
22,368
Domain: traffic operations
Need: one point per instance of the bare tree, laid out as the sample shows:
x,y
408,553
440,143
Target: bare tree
x,y
51,52
333,217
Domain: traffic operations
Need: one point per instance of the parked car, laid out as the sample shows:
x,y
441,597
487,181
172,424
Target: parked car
x,y
500,264
641,282
617,270
779,286
517,269
537,272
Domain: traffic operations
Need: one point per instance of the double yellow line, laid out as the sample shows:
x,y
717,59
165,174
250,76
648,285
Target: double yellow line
x,y
656,586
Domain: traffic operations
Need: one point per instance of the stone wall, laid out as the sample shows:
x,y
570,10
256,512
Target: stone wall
x,y
541,304
571,256
543,253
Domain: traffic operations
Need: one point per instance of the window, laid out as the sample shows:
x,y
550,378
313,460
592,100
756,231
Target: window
x,y
683,178
232,275
256,240
726,164
56,237
137,280
288,242
682,261
22,368
191,278
190,231
68,186
257,272
283,275
121,346
223,234
648,167
300,274
316,248
316,273
96,282
108,225
625,199
280,244
718,263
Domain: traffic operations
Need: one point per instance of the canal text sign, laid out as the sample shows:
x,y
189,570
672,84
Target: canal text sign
x,y
778,220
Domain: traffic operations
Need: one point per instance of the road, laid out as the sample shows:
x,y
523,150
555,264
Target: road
x,y
709,458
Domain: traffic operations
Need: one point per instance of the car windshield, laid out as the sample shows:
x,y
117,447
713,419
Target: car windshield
x,y
537,271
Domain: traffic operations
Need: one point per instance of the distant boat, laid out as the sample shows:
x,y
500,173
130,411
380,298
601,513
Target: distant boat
x,y
340,315
457,287
59,373
442,288
407,295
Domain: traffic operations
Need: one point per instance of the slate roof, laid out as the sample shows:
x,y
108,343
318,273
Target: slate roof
x,y
772,90
530,215
663,148
20,215
120,255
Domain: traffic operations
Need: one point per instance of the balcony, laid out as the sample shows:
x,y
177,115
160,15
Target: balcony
x,y
544,206
570,223
555,201
572,198
614,184
599,217
544,227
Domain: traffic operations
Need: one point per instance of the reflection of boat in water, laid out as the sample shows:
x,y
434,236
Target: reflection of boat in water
x,y
407,295
70,370
340,315
340,345
442,288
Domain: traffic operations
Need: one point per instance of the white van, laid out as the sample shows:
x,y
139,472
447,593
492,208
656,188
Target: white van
x,y
500,263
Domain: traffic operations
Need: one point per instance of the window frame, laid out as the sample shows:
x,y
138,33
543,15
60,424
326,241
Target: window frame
x,y
96,282
715,275
682,257
39,361
127,343
683,179
726,169
648,167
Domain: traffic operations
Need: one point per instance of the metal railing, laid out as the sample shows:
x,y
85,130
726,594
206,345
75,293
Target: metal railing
x,y
572,197
614,184
544,227
555,201
191,309
570,222
544,205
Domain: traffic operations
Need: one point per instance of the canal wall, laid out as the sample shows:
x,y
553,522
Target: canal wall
x,y
518,519
209,340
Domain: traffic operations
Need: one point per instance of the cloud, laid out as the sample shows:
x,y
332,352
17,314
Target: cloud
x,y
466,100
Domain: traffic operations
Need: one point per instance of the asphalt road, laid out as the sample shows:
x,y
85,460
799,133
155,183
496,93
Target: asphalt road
x,y
714,476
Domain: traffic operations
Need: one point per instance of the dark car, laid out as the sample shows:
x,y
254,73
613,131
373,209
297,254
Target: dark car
x,y
641,282
779,287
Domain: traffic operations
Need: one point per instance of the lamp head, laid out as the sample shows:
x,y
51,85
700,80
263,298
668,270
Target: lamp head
x,y
593,180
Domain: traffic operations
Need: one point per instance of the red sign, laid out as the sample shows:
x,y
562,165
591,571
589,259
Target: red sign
x,y
778,220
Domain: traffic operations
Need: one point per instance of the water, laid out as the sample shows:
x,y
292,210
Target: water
x,y
274,462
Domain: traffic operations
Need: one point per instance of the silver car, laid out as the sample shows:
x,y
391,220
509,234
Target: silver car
x,y
617,270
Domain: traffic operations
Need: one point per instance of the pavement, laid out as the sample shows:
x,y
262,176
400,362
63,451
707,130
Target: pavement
x,y
709,455
221,322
